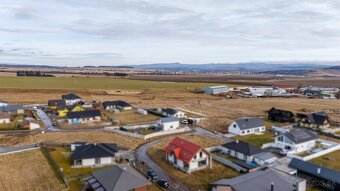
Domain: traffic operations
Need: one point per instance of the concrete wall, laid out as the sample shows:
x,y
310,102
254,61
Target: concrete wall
x,y
316,155
5,120
235,129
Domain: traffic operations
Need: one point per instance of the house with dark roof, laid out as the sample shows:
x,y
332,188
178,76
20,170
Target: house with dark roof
x,y
97,154
3,103
30,123
54,104
121,177
168,123
246,126
13,109
71,98
5,118
241,150
111,105
84,116
319,120
323,177
173,113
261,180
296,140
280,115
187,156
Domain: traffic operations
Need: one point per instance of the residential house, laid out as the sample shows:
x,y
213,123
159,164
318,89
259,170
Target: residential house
x,y
97,154
173,113
241,150
319,120
261,91
121,177
75,108
310,92
3,103
84,116
246,126
5,118
111,105
77,144
216,89
13,109
187,156
280,115
296,141
30,123
320,176
168,123
71,99
261,180
265,158
54,104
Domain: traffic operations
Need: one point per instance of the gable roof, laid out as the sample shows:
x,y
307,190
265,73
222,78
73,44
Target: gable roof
x,y
260,181
98,150
183,149
119,103
168,119
318,118
170,111
280,112
11,108
312,169
58,102
70,96
83,114
298,135
118,178
249,123
243,147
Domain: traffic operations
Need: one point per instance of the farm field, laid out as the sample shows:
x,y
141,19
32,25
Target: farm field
x,y
28,171
199,179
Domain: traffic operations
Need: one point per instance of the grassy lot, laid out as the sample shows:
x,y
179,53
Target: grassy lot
x,y
199,179
89,83
27,170
257,140
330,160
131,117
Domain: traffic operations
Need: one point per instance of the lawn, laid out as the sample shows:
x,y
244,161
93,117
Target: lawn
x,y
198,180
131,117
330,160
89,83
257,140
28,170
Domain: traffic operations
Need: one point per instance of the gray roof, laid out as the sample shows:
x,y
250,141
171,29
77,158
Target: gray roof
x,y
168,119
249,123
99,150
243,147
83,114
70,96
11,108
119,103
265,156
298,135
260,181
312,169
121,177
3,101
170,111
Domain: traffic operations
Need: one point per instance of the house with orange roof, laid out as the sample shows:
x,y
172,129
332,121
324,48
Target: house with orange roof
x,y
187,156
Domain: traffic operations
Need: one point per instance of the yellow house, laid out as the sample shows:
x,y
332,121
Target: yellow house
x,y
75,108
62,111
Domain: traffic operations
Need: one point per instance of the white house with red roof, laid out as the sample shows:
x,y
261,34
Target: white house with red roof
x,y
187,156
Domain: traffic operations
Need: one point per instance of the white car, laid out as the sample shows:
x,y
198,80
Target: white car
x,y
184,121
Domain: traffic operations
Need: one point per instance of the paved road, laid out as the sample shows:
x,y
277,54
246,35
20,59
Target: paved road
x,y
142,156
18,148
46,120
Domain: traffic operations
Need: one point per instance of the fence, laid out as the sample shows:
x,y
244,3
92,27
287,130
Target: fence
x,y
315,155
54,165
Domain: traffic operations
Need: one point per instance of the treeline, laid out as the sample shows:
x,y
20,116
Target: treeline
x,y
116,74
34,73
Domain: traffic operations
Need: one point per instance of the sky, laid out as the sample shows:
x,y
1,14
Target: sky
x,y
126,32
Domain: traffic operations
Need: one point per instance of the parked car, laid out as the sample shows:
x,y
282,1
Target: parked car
x,y
152,174
55,124
163,183
184,121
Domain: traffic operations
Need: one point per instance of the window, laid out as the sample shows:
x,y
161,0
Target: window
x,y
201,154
248,131
280,138
171,127
234,125
242,132
97,161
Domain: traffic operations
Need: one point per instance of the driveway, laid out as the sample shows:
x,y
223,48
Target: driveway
x,y
4,150
46,120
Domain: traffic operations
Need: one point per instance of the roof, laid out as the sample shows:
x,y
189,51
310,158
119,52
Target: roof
x,y
58,102
170,111
5,115
183,149
243,147
98,150
312,169
70,96
216,87
118,178
260,181
280,111
119,103
298,135
3,101
249,123
265,156
168,119
11,108
83,114
318,118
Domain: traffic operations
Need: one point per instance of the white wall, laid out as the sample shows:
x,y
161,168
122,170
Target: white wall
x,y
294,148
34,126
169,125
5,120
88,162
235,129
72,102
3,104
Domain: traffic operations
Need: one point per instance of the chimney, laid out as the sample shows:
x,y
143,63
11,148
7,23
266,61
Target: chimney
x,y
272,186
319,170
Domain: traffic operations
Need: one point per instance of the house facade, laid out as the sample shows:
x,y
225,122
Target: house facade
x,y
71,99
168,123
187,156
318,120
216,90
84,116
246,126
13,109
240,150
3,103
5,118
173,113
111,105
296,141
30,123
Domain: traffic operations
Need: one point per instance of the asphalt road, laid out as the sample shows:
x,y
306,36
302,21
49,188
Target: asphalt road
x,y
19,148
46,120
141,155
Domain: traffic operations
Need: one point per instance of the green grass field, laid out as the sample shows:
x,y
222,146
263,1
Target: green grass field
x,y
89,83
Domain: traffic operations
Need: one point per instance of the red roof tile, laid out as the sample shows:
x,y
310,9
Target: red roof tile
x,y
183,150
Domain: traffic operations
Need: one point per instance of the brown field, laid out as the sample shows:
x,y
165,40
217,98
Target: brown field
x,y
27,170
330,160
199,179
69,137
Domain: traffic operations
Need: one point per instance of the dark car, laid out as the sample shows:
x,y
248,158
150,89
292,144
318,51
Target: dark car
x,y
152,174
163,183
55,124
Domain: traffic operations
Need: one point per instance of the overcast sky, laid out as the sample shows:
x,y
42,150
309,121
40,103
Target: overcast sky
x,y
118,32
